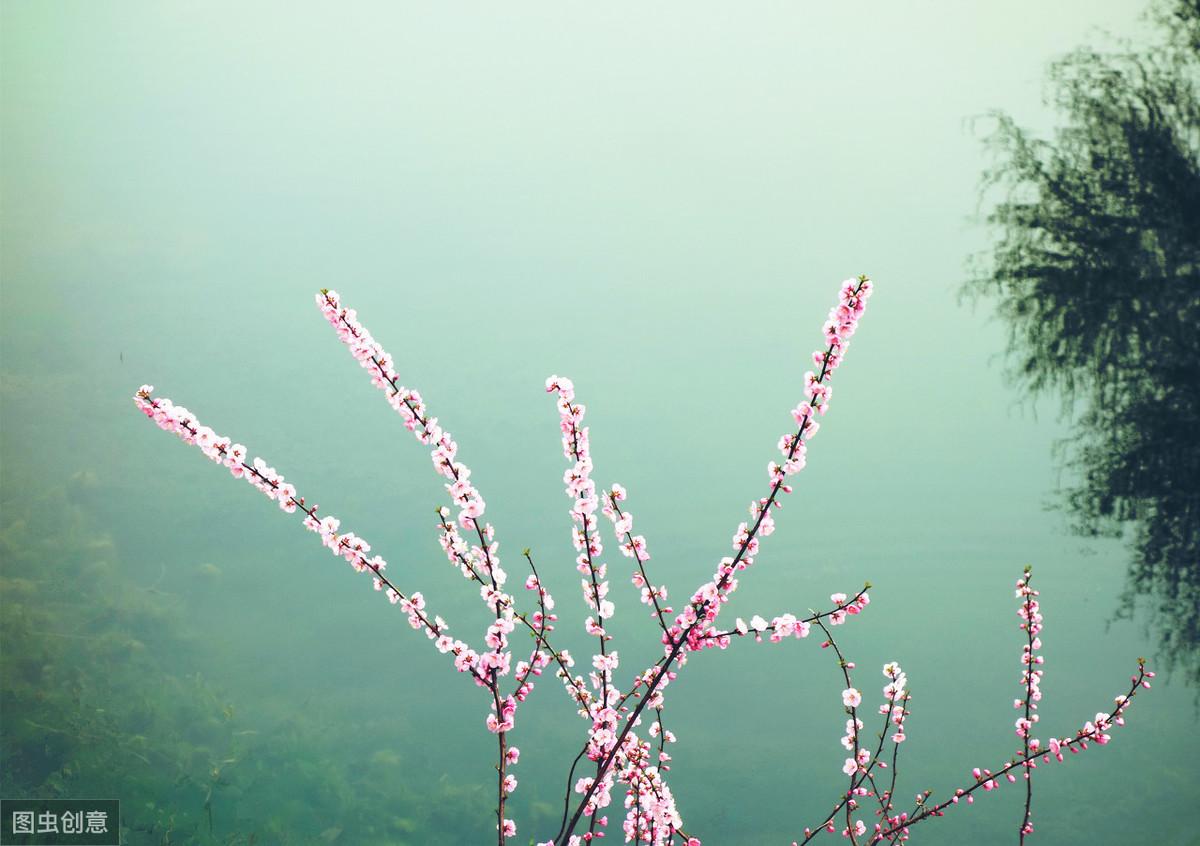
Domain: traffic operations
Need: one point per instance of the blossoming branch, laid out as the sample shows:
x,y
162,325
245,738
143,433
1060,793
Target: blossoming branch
x,y
618,752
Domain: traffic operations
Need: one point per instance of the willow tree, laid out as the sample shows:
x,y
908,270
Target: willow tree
x,y
1096,270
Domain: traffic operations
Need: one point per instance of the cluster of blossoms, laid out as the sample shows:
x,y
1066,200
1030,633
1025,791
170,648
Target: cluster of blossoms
x,y
895,827
694,628
584,535
784,626
1031,677
477,559
697,623
346,545
627,745
634,546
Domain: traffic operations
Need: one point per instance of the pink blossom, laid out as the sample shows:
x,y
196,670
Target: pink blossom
x,y
621,722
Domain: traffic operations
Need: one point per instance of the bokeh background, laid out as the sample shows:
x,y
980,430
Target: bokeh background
x,y
657,201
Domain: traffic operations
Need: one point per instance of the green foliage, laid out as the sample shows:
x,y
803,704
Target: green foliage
x,y
106,692
1097,272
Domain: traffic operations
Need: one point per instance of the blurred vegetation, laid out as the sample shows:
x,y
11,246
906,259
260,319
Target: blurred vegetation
x,y
104,694
1097,273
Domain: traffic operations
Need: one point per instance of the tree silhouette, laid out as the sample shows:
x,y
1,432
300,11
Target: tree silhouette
x,y
1096,270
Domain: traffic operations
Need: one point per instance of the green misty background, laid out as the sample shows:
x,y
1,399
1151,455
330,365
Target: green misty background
x,y
659,203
